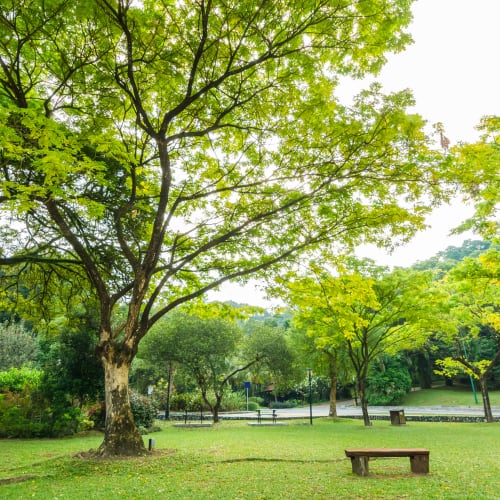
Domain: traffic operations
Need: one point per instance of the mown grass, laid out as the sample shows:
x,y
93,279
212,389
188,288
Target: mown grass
x,y
449,396
236,461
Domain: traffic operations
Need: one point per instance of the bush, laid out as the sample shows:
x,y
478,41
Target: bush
x,y
20,379
252,406
97,415
388,382
256,399
22,410
144,410
233,401
292,403
29,408
182,402
28,414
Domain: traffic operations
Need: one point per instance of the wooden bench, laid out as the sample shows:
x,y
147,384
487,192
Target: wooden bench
x,y
419,458
263,413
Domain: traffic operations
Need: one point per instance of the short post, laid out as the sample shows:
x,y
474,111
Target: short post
x,y
397,417
151,444
309,372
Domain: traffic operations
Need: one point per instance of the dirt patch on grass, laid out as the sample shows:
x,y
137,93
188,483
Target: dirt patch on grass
x,y
18,479
94,455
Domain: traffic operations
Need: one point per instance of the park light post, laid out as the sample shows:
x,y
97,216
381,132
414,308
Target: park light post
x,y
309,372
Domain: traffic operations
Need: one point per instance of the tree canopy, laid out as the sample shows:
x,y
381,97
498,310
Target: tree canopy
x,y
365,311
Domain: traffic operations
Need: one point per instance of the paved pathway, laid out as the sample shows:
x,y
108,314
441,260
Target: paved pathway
x,y
348,409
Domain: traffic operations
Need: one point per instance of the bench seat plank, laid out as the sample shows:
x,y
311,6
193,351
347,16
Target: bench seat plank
x,y
386,452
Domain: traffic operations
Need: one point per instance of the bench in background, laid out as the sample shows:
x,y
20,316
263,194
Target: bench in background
x,y
264,413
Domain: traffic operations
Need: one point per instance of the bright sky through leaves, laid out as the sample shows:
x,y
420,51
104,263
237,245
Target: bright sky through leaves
x,y
451,69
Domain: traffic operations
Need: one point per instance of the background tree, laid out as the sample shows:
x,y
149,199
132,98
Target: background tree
x,y
18,346
366,310
153,151
388,380
212,351
474,303
268,341
423,359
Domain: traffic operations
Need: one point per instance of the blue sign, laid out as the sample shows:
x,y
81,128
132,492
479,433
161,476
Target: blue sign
x,y
247,385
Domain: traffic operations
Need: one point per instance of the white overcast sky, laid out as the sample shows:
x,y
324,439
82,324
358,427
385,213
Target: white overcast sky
x,y
452,69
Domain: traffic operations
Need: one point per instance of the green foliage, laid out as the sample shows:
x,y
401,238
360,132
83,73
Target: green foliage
x,y
144,410
97,415
19,418
252,406
26,411
70,364
478,164
233,401
185,401
17,346
388,382
20,379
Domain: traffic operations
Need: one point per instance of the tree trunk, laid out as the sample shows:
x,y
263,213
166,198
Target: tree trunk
x,y
363,402
121,436
424,370
333,387
215,411
486,398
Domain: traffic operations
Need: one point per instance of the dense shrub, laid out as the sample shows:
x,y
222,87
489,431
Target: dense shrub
x,y
182,402
233,401
388,382
28,409
291,403
256,399
97,415
144,410
252,406
20,379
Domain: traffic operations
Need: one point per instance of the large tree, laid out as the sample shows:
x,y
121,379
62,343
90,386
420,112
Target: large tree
x,y
214,352
366,311
153,150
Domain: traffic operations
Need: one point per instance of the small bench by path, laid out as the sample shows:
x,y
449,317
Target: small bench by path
x,y
266,417
263,413
419,458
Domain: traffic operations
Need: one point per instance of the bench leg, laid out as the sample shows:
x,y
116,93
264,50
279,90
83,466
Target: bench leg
x,y
420,464
360,465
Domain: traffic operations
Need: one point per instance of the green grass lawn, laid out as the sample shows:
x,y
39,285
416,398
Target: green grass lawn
x,y
236,461
449,396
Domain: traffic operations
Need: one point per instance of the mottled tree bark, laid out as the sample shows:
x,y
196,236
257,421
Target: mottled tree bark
x,y
121,435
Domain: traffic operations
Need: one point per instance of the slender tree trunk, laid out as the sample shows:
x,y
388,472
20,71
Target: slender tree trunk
x,y
486,398
333,386
121,436
363,401
215,410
